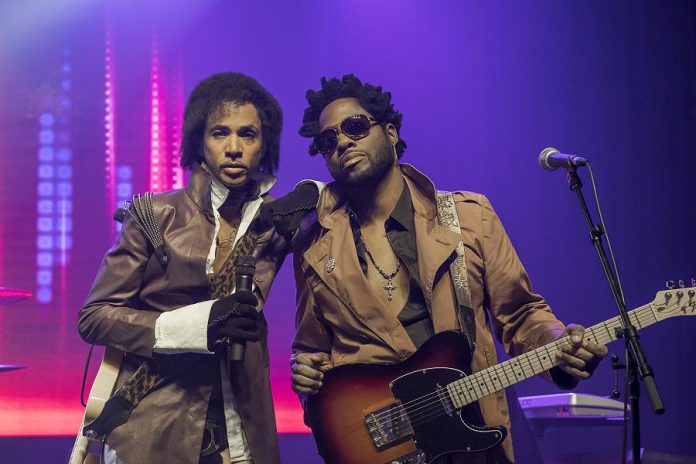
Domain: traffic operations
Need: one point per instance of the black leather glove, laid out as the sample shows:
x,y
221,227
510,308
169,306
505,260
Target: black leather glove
x,y
234,317
285,213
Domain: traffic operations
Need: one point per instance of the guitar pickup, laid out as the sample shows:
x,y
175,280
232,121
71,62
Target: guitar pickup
x,y
389,425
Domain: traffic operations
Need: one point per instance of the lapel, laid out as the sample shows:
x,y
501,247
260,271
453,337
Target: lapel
x,y
435,244
344,278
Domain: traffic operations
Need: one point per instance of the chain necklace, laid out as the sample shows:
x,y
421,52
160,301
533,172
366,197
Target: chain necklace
x,y
390,287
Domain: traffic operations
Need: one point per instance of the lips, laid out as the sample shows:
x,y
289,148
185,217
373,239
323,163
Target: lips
x,y
233,170
351,158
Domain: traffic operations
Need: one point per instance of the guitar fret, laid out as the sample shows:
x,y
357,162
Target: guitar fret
x,y
473,387
481,384
549,358
497,380
530,370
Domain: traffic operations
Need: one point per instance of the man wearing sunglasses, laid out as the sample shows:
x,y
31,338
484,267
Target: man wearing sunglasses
x,y
372,268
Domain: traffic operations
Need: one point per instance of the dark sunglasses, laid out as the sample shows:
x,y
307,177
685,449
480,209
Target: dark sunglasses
x,y
355,127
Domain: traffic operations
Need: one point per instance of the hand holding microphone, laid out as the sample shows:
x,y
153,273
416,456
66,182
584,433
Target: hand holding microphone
x,y
234,317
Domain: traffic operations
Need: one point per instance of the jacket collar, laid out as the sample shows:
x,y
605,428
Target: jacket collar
x,y
207,192
332,207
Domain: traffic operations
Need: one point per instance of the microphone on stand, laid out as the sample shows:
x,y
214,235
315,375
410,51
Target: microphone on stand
x,y
246,267
551,159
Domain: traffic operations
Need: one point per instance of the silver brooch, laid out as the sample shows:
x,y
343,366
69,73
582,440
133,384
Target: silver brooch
x,y
330,265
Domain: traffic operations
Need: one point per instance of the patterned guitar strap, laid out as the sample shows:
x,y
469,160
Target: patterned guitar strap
x,y
448,217
119,406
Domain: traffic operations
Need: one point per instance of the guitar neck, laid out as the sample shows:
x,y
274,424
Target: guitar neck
x,y
490,380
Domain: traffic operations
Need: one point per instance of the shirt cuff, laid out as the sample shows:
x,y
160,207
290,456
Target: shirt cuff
x,y
183,330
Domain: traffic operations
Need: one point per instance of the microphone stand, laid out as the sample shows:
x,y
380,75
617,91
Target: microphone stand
x,y
637,367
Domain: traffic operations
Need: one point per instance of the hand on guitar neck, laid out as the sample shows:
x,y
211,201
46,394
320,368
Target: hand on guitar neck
x,y
308,372
580,357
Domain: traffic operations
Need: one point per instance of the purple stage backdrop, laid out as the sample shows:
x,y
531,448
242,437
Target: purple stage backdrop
x,y
91,95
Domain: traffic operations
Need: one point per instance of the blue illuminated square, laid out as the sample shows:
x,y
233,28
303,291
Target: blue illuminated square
x,y
45,189
44,242
46,137
46,119
44,224
44,295
65,206
125,190
64,242
64,172
44,259
65,224
44,277
124,173
45,206
64,189
46,154
45,171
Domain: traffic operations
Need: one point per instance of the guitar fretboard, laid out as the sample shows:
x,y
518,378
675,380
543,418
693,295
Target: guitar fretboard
x,y
490,380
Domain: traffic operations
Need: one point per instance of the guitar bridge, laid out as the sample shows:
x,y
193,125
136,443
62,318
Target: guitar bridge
x,y
416,457
388,425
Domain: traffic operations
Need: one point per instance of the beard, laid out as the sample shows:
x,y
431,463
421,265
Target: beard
x,y
378,167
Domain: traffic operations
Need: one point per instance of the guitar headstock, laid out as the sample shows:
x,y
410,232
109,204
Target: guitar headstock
x,y
673,302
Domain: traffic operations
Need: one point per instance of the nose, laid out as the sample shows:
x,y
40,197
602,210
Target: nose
x,y
344,143
233,147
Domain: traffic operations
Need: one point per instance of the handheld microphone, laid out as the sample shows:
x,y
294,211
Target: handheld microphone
x,y
246,267
551,159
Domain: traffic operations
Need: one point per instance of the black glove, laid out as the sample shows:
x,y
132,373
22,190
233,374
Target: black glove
x,y
285,213
233,317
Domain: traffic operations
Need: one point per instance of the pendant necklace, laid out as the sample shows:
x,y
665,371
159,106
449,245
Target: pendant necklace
x,y
390,287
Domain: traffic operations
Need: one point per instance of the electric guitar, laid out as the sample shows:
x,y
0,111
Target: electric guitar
x,y
87,450
426,407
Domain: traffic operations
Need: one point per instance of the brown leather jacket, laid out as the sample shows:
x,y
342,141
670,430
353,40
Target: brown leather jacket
x,y
131,290
339,313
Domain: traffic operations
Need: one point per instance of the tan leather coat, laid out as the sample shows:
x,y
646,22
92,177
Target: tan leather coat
x,y
339,313
131,290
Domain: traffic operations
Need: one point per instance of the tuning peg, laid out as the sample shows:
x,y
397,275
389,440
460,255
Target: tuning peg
x,y
693,282
681,283
669,284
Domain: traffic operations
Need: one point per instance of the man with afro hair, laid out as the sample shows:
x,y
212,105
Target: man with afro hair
x,y
165,293
372,269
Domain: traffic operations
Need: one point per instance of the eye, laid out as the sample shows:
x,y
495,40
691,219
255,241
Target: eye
x,y
219,133
249,134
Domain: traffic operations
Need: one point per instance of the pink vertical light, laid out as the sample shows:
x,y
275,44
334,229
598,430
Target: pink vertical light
x,y
158,181
176,110
109,123
166,108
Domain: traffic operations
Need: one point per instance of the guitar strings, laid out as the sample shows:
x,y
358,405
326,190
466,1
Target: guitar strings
x,y
421,409
640,317
434,410
414,405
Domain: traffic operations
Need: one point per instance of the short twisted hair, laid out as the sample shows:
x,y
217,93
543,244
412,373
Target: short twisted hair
x,y
210,95
370,97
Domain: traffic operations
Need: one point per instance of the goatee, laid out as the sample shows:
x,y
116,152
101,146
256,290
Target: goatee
x,y
375,172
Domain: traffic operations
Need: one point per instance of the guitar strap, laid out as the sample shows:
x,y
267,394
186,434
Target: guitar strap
x,y
448,217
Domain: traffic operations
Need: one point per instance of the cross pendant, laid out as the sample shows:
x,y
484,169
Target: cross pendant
x,y
390,287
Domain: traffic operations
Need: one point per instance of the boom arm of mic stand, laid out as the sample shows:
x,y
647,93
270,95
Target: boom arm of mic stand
x,y
637,360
